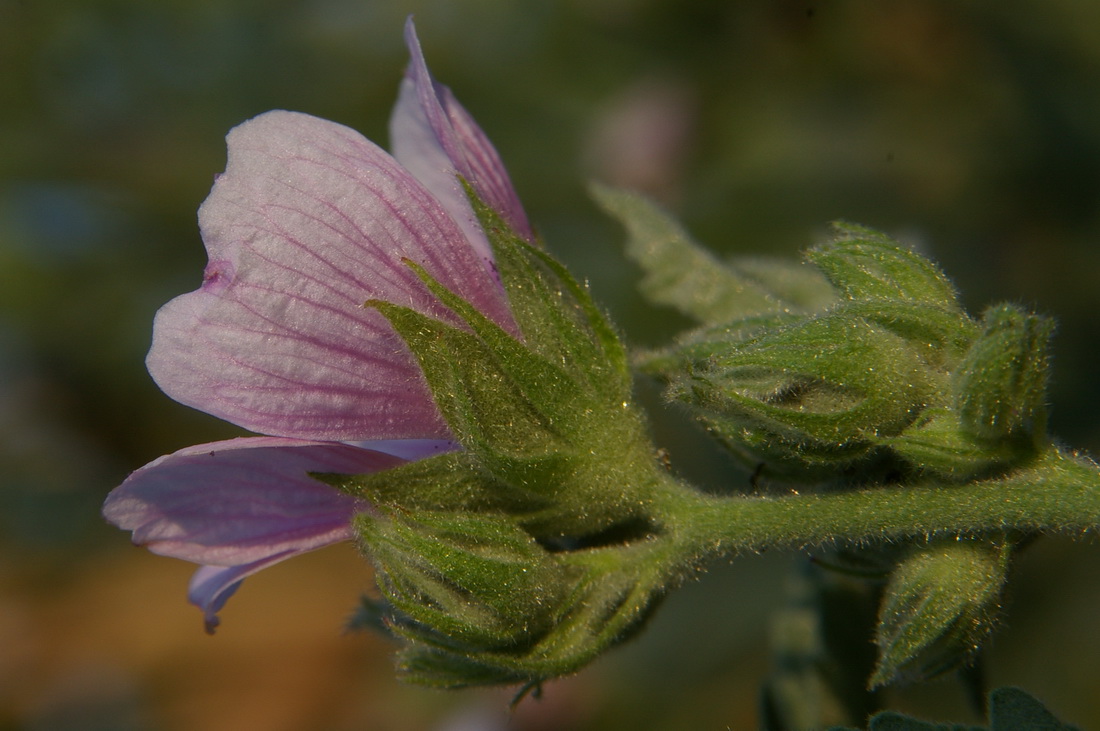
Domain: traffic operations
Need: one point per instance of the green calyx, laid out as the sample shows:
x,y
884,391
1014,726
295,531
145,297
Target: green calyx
x,y
1000,386
476,597
489,607
546,414
475,579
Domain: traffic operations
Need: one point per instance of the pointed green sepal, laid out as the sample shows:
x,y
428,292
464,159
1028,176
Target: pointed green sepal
x,y
938,447
452,481
556,314
865,264
548,413
702,344
490,397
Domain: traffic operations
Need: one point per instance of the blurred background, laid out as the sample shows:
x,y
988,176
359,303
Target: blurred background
x,y
970,129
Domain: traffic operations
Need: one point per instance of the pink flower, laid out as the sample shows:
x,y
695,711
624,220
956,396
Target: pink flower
x,y
308,222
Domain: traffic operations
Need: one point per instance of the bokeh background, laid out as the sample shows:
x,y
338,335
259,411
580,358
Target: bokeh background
x,y
969,128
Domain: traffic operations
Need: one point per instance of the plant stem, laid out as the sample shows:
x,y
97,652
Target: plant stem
x,y
1058,492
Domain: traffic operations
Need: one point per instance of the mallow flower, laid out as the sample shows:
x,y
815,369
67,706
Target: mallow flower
x,y
309,221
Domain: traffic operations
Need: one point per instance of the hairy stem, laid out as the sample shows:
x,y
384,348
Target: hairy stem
x,y
1058,492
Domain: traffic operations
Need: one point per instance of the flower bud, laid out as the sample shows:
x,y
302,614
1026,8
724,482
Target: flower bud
x,y
812,396
474,579
1000,387
478,602
938,607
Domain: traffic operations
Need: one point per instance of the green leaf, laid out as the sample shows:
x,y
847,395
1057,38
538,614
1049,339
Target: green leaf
x,y
820,654
798,287
1012,709
678,272
893,721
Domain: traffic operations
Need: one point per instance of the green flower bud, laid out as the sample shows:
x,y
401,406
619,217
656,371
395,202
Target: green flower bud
x,y
495,609
1000,387
477,595
478,581
939,606
814,395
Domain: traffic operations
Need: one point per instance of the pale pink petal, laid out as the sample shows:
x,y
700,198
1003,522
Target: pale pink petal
x,y
409,449
211,586
433,136
240,501
308,222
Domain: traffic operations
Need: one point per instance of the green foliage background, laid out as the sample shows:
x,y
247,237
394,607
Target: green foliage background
x,y
970,129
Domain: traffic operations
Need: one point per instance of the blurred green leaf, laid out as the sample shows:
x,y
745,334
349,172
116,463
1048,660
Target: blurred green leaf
x,y
1010,709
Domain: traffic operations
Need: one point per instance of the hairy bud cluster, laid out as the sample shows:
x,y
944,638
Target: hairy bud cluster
x,y
893,375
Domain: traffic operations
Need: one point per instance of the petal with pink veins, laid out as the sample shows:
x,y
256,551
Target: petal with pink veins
x,y
308,222
433,136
